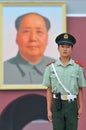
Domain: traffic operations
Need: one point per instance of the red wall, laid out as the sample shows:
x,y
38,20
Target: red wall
x,y
77,27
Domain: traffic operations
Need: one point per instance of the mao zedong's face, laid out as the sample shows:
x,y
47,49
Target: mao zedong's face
x,y
32,36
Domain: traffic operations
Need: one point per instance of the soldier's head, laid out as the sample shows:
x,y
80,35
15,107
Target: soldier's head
x,y
65,39
65,43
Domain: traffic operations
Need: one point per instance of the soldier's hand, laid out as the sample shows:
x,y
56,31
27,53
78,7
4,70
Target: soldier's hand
x,y
79,112
50,116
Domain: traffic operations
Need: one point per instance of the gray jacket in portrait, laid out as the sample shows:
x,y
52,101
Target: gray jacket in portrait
x,y
19,71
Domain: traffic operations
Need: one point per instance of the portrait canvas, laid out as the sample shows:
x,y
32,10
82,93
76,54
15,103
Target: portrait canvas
x,y
54,11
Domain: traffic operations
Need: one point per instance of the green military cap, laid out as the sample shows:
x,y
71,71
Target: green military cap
x,y
65,38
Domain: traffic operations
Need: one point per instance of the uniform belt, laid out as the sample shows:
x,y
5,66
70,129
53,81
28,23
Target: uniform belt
x,y
66,97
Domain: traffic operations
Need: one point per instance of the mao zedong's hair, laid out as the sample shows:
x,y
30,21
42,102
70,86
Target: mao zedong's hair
x,y
18,20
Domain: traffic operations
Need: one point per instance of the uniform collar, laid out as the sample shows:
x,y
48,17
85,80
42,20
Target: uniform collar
x,y
71,62
25,67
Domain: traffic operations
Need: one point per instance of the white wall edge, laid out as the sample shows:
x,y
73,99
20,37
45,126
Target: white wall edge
x,y
76,15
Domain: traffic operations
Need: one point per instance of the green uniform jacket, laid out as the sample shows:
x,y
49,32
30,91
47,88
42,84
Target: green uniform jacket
x,y
72,76
19,71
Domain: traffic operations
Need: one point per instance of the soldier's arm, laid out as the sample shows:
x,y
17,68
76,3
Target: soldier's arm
x,y
49,103
80,104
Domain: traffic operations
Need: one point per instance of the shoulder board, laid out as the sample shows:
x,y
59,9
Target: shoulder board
x,y
77,62
50,63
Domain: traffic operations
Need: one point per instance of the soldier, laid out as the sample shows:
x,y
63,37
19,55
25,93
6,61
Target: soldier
x,y
64,80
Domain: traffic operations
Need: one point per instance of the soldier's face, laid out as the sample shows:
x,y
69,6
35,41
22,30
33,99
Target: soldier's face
x,y
65,50
32,36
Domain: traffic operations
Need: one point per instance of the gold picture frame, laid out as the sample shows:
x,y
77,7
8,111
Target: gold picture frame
x,y
55,11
